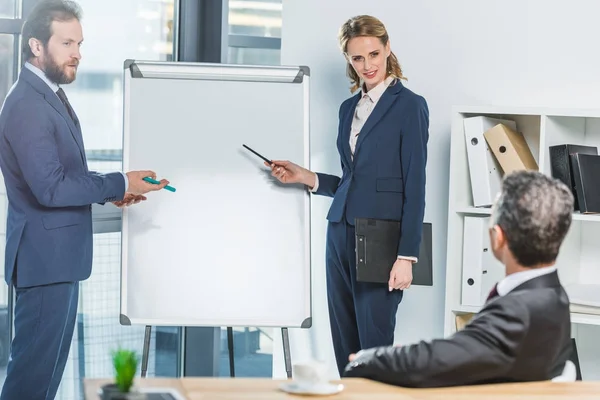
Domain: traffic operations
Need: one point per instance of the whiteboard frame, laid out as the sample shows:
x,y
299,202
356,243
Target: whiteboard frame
x,y
227,72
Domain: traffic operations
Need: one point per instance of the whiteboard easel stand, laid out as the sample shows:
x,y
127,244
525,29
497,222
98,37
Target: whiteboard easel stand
x,y
230,351
146,350
286,351
237,82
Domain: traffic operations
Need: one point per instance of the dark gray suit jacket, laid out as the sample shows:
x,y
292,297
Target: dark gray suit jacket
x,y
50,189
522,336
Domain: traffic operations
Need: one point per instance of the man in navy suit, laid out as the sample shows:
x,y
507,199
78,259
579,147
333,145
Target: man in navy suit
x,y
50,191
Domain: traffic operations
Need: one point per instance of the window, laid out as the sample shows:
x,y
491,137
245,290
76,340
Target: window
x,y
255,17
8,9
254,32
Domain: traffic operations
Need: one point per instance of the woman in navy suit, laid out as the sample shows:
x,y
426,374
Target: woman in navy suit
x,y
382,142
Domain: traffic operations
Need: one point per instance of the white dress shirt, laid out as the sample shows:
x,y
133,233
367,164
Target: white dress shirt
x,y
363,110
511,281
40,74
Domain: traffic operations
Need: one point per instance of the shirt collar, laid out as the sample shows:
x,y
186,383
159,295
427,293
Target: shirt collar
x,y
376,93
513,280
42,76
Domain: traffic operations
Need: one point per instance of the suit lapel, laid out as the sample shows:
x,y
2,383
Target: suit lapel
x,y
54,101
347,128
383,105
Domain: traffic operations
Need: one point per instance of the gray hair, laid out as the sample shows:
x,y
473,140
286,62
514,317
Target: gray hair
x,y
535,213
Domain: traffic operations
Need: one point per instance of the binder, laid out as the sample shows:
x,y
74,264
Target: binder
x,y
510,149
462,320
480,269
484,170
586,170
560,164
377,251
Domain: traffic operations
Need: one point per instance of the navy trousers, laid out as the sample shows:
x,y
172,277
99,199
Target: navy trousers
x,y
44,324
362,315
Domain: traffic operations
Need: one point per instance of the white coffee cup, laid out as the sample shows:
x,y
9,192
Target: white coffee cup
x,y
309,373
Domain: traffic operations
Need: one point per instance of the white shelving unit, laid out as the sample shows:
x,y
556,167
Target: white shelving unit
x,y
579,258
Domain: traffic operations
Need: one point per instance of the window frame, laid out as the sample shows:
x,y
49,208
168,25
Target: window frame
x,y
254,42
11,26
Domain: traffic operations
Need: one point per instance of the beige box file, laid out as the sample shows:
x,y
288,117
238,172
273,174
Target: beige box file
x,y
510,149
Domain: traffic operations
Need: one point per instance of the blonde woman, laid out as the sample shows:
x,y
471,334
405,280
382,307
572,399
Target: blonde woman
x,y
382,142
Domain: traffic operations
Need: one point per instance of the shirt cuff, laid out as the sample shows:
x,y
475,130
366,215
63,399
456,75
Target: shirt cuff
x,y
126,180
316,187
413,259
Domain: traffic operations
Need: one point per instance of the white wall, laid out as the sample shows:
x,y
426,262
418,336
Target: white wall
x,y
510,52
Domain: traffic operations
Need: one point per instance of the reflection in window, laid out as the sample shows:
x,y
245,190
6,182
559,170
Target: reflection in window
x,y
255,17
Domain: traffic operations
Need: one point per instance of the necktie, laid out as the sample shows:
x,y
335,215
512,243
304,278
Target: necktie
x,y
493,293
63,97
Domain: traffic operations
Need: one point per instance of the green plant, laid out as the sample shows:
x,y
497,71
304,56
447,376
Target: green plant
x,y
125,363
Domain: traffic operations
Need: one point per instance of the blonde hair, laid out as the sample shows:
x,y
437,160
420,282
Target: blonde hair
x,y
366,25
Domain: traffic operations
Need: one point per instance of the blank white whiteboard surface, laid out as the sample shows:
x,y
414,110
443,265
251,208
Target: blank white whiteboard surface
x,y
231,247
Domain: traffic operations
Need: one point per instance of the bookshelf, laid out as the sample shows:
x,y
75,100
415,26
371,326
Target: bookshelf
x,y
579,259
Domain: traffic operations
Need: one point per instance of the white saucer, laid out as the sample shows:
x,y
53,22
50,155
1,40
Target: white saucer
x,y
319,389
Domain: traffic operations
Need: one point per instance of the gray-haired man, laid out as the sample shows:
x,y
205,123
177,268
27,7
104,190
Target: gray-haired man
x,y
523,331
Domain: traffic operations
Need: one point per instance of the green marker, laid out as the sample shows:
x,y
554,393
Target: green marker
x,y
169,188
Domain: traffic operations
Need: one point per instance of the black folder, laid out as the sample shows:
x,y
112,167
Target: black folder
x,y
377,251
586,170
560,164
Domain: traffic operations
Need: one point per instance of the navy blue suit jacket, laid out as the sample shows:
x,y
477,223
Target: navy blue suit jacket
x,y
386,179
50,190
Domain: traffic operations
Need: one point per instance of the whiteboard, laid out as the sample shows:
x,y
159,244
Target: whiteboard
x,y
231,247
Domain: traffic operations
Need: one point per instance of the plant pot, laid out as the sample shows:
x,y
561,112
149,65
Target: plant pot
x,y
112,392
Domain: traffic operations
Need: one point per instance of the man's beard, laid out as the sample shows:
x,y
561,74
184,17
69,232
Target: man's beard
x,y
56,73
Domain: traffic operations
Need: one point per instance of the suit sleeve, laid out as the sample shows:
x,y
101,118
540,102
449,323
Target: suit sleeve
x,y
35,148
485,349
413,157
328,184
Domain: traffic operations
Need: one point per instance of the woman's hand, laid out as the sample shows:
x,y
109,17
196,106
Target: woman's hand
x,y
288,172
401,275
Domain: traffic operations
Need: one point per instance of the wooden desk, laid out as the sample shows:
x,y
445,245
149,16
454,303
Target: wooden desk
x,y
355,389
